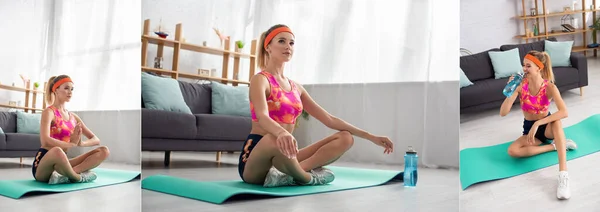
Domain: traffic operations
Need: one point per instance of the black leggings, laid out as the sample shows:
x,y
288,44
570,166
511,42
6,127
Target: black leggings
x,y
251,142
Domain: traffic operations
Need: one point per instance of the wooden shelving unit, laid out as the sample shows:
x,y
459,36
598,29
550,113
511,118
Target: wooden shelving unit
x,y
33,93
544,19
178,45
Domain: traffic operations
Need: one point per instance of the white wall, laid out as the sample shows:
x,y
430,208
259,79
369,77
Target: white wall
x,y
490,24
120,131
422,115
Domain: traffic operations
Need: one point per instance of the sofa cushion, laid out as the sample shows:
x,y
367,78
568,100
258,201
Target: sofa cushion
x,y
527,47
483,91
162,94
2,142
223,127
464,80
230,100
8,122
565,76
28,123
506,63
167,124
197,96
559,52
22,141
478,66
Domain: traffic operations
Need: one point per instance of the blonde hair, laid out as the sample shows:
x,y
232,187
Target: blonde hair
x,y
547,72
49,94
263,55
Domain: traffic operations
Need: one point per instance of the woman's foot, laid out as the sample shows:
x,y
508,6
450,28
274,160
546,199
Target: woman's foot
x,y
563,191
87,176
57,178
320,176
571,145
275,178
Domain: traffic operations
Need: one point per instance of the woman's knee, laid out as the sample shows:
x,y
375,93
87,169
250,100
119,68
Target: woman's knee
x,y
514,152
57,153
345,139
104,151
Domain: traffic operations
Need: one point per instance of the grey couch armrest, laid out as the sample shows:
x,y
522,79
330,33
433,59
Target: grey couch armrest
x,y
579,61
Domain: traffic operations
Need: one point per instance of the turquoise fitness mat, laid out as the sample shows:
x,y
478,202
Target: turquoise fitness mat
x,y
219,191
18,188
493,162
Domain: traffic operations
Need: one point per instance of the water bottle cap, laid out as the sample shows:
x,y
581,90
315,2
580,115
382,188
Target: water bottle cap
x,y
411,150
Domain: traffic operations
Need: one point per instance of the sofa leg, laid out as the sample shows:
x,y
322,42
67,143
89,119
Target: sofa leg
x,y
21,161
218,156
580,91
167,158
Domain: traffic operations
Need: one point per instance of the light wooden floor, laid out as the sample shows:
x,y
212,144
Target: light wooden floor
x,y
436,190
120,197
535,190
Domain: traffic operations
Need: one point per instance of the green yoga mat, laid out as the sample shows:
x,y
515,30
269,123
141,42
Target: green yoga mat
x,y
18,188
493,162
219,191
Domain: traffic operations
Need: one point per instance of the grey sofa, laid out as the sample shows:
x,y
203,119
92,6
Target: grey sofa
x,y
486,92
203,131
13,144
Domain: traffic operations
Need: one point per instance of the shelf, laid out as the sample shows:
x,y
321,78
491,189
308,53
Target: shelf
x,y
211,50
148,69
554,34
14,88
193,76
194,47
583,48
556,14
23,108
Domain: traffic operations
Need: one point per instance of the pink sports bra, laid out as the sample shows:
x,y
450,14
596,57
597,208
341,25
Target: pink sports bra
x,y
284,106
537,104
61,129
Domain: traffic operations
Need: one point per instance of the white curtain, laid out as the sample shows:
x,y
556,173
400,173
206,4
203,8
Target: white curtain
x,y
97,43
347,53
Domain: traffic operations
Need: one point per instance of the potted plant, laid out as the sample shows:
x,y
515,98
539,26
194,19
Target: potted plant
x,y
240,45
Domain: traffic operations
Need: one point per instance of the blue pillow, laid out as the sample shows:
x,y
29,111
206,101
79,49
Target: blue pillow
x,y
28,123
464,80
162,93
506,63
559,51
230,100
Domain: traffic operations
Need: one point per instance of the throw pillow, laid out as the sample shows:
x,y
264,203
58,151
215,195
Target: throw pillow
x,y
1,131
464,80
230,100
28,123
162,93
559,51
506,63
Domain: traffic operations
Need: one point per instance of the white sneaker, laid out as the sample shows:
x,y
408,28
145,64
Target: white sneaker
x,y
57,178
275,178
563,192
87,176
321,176
571,145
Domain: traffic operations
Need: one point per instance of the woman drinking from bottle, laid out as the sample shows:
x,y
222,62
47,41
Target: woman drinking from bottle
x,y
535,93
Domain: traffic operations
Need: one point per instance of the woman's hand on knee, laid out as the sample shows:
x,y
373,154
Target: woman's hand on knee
x,y
287,145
